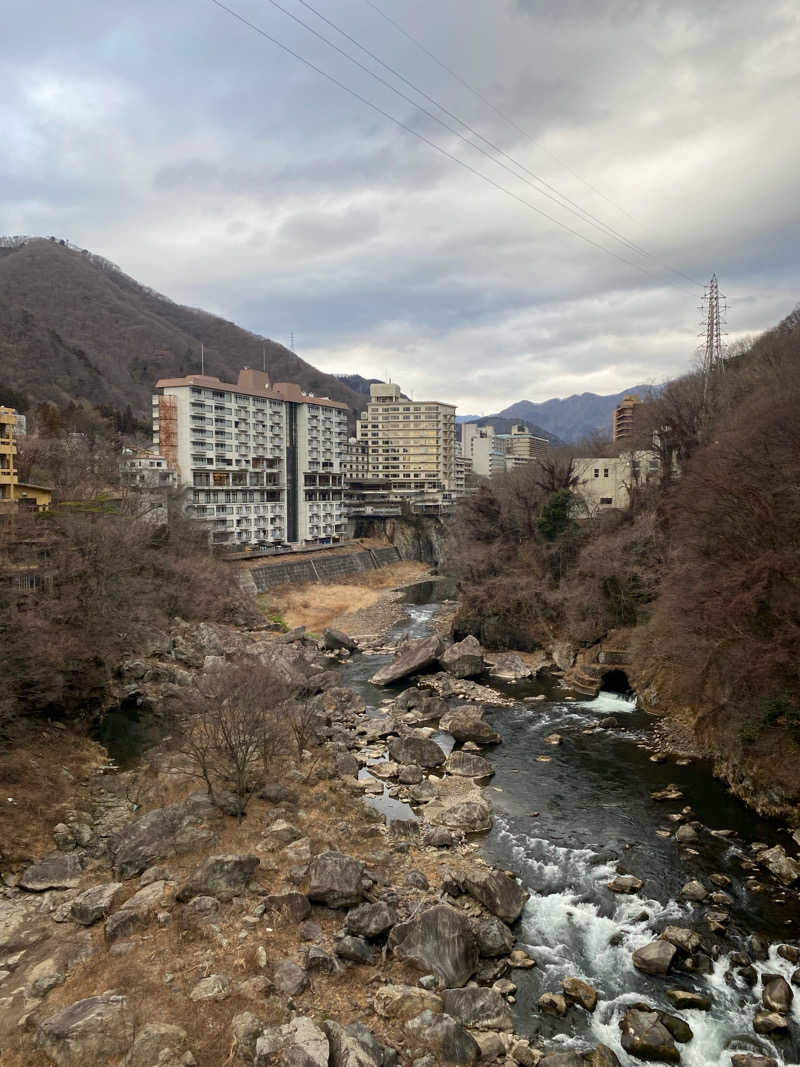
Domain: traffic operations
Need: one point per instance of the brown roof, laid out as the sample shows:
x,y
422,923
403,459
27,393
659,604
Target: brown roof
x,y
250,384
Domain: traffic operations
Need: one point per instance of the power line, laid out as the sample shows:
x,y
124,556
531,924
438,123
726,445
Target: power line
x,y
422,137
558,199
485,100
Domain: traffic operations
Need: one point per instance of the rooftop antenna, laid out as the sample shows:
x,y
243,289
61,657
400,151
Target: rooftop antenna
x,y
264,358
291,340
202,358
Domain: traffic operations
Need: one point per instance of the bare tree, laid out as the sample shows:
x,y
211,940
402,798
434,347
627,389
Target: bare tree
x,y
234,729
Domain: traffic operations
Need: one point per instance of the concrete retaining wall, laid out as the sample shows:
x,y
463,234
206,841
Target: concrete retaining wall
x,y
320,568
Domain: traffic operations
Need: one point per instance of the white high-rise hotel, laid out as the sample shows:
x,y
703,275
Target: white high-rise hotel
x,y
261,461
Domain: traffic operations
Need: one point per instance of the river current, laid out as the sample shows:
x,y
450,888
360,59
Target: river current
x,y
567,826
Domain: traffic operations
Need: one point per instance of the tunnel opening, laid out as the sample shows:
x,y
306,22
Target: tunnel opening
x,y
616,681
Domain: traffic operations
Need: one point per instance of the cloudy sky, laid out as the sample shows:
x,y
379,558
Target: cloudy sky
x,y
215,167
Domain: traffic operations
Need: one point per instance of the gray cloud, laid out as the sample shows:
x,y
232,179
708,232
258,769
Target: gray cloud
x,y
214,167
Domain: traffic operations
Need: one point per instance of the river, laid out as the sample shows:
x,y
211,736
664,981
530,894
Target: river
x,y
594,818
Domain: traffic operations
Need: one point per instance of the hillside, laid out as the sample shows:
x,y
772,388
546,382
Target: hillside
x,y
74,327
573,417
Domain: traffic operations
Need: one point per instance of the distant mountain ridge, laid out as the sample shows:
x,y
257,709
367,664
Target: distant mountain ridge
x,y
505,425
73,326
574,417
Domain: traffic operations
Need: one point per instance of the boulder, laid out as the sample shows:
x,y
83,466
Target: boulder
x,y
580,992
371,920
215,987
419,750
299,1043
354,949
91,1031
478,1008
553,1004
685,834
508,666
471,813
467,724
469,765
335,880
785,869
768,1022
58,871
439,940
685,940
464,659
625,883
246,1028
164,832
403,1002
602,1056
332,640
282,833
290,978
500,894
694,890
223,877
291,907
684,998
493,937
749,1059
647,1038
789,952
413,657
160,1045
777,994
94,904
654,958
562,1059
450,1043
355,1046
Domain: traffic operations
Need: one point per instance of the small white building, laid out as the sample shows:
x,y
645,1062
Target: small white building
x,y
606,481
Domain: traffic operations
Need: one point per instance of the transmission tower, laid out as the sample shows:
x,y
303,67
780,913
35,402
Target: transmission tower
x,y
711,323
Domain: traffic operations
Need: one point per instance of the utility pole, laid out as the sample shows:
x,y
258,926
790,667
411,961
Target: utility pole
x,y
291,340
711,322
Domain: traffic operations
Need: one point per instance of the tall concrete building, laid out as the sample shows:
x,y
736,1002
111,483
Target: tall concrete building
x,y
412,444
525,446
262,462
624,416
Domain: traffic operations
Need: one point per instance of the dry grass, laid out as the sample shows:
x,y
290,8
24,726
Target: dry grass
x,y
316,606
166,962
42,777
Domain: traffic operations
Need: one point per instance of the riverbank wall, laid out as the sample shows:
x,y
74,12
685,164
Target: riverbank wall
x,y
335,566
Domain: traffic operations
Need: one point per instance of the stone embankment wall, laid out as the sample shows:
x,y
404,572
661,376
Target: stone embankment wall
x,y
319,567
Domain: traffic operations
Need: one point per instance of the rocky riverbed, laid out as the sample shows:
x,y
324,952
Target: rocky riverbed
x,y
359,916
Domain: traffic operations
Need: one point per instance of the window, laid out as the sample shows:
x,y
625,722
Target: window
x,y
597,472
606,500
605,472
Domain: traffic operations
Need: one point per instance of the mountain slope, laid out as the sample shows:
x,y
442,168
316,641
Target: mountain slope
x,y
574,417
73,326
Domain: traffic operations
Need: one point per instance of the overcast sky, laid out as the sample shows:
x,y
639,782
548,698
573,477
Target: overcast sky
x,y
218,169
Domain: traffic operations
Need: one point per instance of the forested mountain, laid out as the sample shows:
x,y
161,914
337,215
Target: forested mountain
x,y
573,417
74,327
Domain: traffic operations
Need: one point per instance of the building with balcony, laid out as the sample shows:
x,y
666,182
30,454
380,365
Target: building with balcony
x,y
262,461
16,495
625,415
411,445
